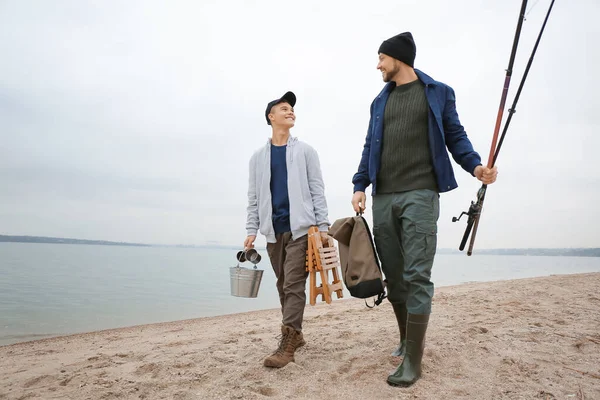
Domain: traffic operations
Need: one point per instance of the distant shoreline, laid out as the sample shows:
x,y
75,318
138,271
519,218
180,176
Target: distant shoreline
x,y
53,240
562,252
56,240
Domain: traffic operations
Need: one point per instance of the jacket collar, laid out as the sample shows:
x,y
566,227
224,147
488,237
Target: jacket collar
x,y
426,79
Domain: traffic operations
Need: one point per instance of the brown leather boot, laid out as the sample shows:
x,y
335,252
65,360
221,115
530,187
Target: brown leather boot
x,y
409,371
285,352
299,342
400,312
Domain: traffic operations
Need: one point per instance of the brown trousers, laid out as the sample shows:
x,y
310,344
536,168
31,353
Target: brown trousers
x,y
288,258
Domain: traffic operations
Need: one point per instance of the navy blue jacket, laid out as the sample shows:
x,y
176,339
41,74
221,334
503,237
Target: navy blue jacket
x,y
445,131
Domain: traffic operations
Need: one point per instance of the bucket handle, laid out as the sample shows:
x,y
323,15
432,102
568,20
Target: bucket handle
x,y
239,256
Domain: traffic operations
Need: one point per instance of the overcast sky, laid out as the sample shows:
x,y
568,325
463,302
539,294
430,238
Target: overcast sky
x,y
135,120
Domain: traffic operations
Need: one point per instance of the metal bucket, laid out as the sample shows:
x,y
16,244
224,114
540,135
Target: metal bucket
x,y
245,282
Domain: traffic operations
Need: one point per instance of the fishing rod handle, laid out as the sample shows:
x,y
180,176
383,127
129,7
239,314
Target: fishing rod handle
x,y
463,242
473,235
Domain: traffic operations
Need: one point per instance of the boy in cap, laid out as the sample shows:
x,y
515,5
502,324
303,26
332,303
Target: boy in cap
x,y
286,196
413,121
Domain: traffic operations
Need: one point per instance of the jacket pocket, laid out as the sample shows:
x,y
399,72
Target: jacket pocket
x,y
309,213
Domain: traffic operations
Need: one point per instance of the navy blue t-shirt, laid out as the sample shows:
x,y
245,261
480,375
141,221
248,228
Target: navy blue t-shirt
x,y
279,190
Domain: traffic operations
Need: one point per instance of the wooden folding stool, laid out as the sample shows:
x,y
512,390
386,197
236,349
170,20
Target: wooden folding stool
x,y
322,257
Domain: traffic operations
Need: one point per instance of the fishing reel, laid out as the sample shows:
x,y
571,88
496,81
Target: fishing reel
x,y
467,213
474,210
473,220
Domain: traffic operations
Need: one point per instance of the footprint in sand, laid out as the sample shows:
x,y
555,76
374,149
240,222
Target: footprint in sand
x,y
542,394
40,381
151,368
347,366
345,334
66,381
184,365
264,390
178,343
44,352
25,396
104,361
344,369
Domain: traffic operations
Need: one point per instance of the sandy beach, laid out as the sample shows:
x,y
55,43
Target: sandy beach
x,y
522,339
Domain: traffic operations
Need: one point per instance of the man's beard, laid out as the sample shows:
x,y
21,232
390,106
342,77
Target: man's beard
x,y
390,74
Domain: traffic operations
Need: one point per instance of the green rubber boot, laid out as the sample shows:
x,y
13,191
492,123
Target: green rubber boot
x,y
401,313
409,371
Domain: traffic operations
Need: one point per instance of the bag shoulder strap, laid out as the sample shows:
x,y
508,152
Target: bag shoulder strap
x,y
381,296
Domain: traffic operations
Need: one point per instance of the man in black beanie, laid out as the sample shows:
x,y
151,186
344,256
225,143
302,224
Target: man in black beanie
x,y
413,122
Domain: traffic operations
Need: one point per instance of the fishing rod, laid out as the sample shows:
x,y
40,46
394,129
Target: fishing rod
x,y
476,207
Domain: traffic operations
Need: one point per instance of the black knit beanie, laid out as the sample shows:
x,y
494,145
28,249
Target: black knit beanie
x,y
401,47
